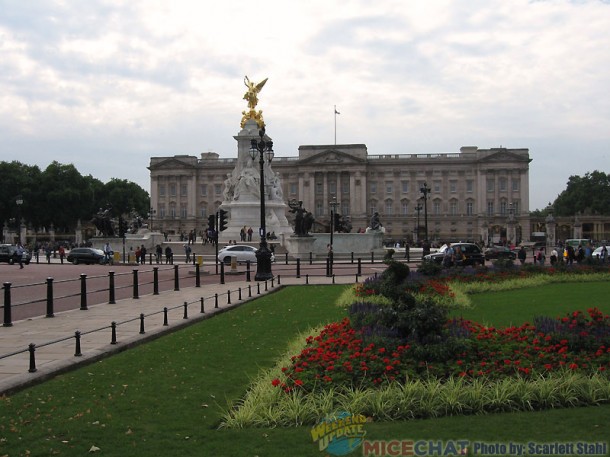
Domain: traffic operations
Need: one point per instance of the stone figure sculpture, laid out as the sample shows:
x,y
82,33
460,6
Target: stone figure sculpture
x,y
303,219
375,223
103,222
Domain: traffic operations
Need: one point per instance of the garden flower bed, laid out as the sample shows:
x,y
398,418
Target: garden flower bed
x,y
459,367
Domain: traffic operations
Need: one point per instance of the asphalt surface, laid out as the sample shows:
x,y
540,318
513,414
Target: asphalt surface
x,y
34,348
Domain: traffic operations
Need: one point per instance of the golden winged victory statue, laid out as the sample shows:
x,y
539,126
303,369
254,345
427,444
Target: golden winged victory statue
x,y
251,96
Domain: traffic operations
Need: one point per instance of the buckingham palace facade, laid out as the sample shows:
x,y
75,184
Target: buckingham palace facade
x,y
475,194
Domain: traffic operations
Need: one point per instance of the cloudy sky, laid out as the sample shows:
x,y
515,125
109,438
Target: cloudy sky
x,y
105,85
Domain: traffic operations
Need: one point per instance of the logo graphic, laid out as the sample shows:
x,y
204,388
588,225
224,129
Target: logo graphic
x,y
341,434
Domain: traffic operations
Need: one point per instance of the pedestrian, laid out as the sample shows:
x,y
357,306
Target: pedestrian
x,y
158,253
250,232
553,257
108,253
143,255
603,255
62,253
449,258
187,252
47,252
137,254
407,252
540,257
522,254
20,254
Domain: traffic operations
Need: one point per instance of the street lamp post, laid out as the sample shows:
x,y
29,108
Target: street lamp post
x,y
425,190
333,210
418,208
19,202
262,148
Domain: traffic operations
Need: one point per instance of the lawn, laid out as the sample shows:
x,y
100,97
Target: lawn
x,y
167,397
502,309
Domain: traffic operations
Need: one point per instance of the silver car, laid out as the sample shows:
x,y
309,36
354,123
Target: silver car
x,y
242,252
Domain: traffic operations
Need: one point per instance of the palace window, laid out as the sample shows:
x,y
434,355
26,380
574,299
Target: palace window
x,y
172,190
162,190
217,189
183,190
203,189
490,208
469,185
405,187
469,208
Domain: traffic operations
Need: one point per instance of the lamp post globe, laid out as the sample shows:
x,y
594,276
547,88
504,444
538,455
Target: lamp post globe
x,y
425,190
264,149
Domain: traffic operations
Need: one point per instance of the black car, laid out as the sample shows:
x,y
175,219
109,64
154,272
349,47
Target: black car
x,y
85,255
472,254
8,254
499,252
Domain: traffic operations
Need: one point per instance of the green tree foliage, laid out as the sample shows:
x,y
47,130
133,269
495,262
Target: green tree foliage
x,y
61,196
588,193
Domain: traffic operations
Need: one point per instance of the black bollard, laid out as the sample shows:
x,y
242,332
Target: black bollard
x,y
142,324
136,291
186,311
222,272
83,291
248,271
197,276
176,279
32,349
111,298
113,337
50,311
202,306
298,268
155,280
165,322
77,352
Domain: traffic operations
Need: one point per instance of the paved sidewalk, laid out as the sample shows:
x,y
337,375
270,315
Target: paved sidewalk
x,y
94,325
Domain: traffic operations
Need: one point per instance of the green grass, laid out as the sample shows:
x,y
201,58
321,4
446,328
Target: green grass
x,y
517,306
167,397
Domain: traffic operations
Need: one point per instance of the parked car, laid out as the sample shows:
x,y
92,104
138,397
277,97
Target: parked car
x,y
472,254
499,252
85,255
243,252
598,252
8,254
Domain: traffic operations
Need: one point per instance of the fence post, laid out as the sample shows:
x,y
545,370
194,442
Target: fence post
x,y
248,279
222,272
176,279
286,258
352,256
249,290
150,258
372,257
186,311
113,337
327,267
306,279
142,324
229,297
299,267
359,266
77,352
266,288
310,257
136,293
50,312
155,280
239,294
279,281
258,288
165,323
32,349
202,306
111,297
83,291
197,278
215,300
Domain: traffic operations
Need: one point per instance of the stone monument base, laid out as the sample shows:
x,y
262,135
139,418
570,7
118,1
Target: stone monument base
x,y
299,246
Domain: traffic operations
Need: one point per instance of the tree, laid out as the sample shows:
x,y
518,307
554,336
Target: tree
x,y
587,194
61,196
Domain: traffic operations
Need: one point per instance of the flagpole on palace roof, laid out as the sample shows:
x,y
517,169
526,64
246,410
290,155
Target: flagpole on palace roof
x,y
336,112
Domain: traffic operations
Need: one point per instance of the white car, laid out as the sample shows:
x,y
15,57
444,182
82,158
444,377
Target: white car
x,y
597,253
243,252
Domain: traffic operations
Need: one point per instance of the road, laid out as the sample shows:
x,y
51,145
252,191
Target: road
x,y
29,286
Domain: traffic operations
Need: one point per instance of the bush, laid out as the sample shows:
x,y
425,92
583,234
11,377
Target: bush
x,y
504,264
388,255
429,268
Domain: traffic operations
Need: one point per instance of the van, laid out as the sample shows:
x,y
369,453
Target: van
x,y
575,242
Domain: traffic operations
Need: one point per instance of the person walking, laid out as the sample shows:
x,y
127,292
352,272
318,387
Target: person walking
x,y
62,253
20,253
108,253
521,255
407,252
